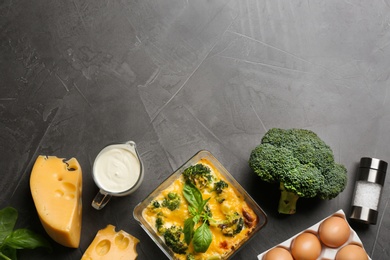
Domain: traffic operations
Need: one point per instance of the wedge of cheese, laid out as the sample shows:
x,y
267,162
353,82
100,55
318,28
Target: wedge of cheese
x,y
56,187
111,245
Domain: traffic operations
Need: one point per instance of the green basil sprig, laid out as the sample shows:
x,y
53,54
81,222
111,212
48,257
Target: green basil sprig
x,y
202,236
12,240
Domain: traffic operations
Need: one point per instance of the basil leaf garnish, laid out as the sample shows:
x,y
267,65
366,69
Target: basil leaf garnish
x,y
202,238
192,195
201,206
193,211
189,225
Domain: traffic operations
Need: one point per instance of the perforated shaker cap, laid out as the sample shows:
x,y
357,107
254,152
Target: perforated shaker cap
x,y
373,163
372,170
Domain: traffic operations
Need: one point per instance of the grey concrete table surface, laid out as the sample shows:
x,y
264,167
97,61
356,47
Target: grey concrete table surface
x,y
180,76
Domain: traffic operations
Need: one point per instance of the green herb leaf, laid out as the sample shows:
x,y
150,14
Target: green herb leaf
x,y
202,238
192,195
189,225
201,206
25,238
8,217
192,210
196,218
11,241
8,253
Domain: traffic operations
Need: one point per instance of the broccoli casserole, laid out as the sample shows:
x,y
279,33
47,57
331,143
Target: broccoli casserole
x,y
201,215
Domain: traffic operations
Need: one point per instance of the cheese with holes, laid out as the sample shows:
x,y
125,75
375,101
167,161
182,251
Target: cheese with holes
x,y
56,187
109,244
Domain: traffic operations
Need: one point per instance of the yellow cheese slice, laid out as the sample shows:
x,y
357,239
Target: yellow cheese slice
x,y
56,187
111,245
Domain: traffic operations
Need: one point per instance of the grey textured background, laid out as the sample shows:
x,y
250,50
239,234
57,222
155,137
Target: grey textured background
x,y
179,76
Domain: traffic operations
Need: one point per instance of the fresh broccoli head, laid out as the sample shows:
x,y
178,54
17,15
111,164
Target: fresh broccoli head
x,y
301,162
334,179
306,146
174,239
199,175
172,201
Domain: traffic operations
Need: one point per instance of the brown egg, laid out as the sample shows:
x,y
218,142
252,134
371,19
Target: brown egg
x,y
351,252
334,231
278,253
306,246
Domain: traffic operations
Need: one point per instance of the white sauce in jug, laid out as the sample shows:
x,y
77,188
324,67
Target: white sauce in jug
x,y
116,169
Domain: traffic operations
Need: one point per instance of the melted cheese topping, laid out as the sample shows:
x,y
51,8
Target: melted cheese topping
x,y
221,245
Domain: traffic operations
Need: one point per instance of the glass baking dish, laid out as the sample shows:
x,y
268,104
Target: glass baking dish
x,y
203,154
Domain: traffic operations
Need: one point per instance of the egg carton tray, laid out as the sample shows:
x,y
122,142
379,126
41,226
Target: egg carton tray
x,y
327,253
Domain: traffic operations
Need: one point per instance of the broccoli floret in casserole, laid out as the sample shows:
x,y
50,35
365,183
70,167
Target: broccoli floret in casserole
x,y
172,201
199,175
155,204
174,239
160,225
231,226
190,257
219,186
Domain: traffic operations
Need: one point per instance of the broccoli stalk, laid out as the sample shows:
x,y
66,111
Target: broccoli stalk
x,y
288,201
301,163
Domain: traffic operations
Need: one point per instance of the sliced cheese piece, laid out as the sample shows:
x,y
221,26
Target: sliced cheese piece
x,y
56,187
111,245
